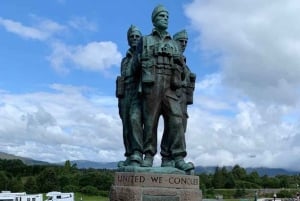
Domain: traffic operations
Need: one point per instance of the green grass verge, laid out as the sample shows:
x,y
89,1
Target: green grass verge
x,y
81,197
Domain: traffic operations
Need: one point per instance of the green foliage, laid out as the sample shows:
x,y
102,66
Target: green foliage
x,y
4,180
89,190
210,193
15,167
30,185
104,180
238,172
246,184
218,180
48,181
15,184
286,194
104,193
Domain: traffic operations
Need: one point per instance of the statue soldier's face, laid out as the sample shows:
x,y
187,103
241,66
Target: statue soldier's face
x,y
134,38
182,42
161,20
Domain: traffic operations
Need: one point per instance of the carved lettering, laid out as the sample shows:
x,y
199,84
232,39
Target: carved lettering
x,y
181,180
156,179
131,179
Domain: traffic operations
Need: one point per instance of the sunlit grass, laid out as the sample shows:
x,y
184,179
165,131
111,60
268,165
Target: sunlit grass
x,y
81,197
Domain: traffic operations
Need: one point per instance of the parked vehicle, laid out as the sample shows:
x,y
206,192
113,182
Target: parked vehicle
x,y
20,196
58,196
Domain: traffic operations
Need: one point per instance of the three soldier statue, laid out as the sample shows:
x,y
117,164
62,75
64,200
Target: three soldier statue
x,y
155,81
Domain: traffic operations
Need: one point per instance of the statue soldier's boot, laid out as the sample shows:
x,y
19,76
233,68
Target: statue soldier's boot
x,y
135,159
124,163
182,165
167,162
148,161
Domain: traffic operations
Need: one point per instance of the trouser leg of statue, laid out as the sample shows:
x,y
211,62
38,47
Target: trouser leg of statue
x,y
151,111
136,142
184,109
173,146
123,111
130,113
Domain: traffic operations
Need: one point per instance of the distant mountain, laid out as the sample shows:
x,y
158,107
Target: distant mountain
x,y
272,171
260,170
205,169
27,161
85,164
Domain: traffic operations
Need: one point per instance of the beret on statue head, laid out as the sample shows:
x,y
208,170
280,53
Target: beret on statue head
x,y
131,29
158,9
180,35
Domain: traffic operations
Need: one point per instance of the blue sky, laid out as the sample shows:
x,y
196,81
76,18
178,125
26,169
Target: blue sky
x,y
59,60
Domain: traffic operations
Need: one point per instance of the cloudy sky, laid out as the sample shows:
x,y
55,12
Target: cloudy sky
x,y
59,60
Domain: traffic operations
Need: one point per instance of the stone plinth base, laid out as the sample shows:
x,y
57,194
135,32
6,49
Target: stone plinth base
x,y
155,187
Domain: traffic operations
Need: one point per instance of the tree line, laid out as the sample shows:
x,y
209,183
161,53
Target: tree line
x,y
247,184
16,176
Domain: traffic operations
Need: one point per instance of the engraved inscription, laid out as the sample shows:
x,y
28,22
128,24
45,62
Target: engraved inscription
x,y
177,180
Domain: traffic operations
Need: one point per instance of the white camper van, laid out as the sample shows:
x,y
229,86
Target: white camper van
x,y
58,196
21,196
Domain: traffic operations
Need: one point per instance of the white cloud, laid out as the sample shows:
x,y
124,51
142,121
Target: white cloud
x,y
43,30
81,23
216,139
23,31
251,106
257,43
59,126
94,56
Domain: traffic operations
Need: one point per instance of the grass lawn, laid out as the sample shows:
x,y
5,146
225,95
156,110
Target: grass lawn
x,y
78,197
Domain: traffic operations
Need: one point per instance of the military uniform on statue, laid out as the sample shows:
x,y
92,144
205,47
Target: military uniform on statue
x,y
162,73
156,82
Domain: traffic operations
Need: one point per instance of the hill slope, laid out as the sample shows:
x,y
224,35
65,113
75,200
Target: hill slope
x,y
27,161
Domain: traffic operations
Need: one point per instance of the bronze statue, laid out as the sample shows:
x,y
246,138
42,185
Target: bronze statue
x,y
155,81
162,72
188,84
129,103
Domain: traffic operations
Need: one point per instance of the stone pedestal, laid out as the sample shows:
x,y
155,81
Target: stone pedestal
x,y
133,186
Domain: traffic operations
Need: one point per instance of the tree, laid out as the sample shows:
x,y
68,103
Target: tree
x,y
64,180
88,178
238,172
3,181
206,180
104,180
253,177
15,167
30,185
47,181
218,180
16,184
284,181
285,194
229,181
